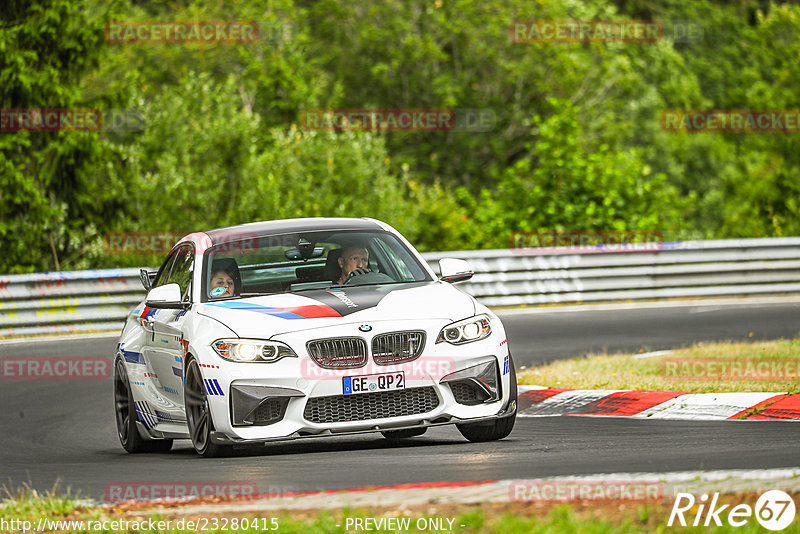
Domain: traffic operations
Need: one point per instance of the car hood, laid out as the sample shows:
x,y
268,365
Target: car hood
x,y
291,312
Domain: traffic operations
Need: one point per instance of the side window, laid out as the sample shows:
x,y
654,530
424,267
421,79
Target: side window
x,y
396,261
182,269
163,273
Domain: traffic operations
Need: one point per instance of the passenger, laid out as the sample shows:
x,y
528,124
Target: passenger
x,y
225,275
221,279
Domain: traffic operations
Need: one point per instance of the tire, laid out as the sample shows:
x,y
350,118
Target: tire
x,y
124,414
198,414
405,433
499,428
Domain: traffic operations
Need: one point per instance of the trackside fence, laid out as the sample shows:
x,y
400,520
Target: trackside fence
x,y
82,301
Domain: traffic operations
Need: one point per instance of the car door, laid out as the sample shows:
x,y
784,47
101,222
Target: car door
x,y
164,347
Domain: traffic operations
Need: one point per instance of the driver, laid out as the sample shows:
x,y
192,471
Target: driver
x,y
353,258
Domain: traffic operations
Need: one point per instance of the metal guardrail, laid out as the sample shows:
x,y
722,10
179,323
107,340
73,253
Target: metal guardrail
x,y
82,301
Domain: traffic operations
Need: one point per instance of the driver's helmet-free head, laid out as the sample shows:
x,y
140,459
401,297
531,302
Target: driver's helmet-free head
x,y
229,266
349,247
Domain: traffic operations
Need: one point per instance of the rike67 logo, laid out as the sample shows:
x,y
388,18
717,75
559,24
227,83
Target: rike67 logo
x,y
774,510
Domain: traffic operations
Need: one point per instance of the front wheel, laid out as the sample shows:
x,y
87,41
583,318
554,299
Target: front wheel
x,y
198,414
499,428
125,415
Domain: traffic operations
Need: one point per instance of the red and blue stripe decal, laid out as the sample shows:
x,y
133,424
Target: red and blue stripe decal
x,y
312,311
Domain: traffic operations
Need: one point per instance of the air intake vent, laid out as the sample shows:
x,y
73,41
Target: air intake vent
x,y
268,412
467,392
363,406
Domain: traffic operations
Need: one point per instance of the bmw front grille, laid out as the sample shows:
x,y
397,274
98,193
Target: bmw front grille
x,y
338,352
397,347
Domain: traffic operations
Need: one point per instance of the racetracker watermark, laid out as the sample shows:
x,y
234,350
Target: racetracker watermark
x,y
398,120
148,524
142,243
785,121
774,510
181,32
428,368
584,490
683,31
56,368
563,242
742,369
50,120
70,120
586,31
116,492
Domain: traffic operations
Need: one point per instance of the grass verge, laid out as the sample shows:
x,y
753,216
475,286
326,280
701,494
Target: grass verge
x,y
705,368
506,518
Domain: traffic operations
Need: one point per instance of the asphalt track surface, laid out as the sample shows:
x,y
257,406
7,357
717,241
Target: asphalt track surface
x,y
64,430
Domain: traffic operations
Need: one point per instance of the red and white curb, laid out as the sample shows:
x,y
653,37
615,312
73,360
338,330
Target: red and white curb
x,y
613,487
536,401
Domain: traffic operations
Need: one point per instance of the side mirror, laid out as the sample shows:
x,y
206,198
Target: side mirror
x,y
147,278
454,270
166,296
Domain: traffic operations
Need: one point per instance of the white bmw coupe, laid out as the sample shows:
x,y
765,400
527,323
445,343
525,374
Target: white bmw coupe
x,y
302,328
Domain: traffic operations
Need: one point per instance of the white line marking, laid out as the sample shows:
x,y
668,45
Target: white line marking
x,y
744,302
56,337
651,354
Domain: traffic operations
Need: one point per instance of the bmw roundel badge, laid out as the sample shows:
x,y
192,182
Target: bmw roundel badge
x,y
365,328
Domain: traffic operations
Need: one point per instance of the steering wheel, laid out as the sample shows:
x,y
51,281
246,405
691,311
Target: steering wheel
x,y
366,276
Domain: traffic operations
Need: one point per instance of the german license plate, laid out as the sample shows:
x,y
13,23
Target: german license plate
x,y
372,383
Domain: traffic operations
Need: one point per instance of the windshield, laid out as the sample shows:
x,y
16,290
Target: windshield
x,y
261,265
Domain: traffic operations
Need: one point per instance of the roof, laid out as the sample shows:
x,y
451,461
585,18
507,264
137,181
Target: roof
x,y
286,226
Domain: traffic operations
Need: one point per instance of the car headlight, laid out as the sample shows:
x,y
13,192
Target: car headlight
x,y
252,350
466,331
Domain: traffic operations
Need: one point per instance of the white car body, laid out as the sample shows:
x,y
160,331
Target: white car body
x,y
157,344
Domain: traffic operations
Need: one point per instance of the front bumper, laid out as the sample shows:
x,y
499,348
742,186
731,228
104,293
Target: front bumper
x,y
283,400
224,439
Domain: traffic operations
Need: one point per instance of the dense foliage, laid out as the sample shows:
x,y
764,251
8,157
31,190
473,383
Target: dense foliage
x,y
214,134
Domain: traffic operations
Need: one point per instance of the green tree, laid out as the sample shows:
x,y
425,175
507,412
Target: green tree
x,y
568,184
54,186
